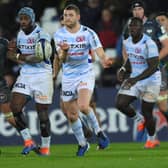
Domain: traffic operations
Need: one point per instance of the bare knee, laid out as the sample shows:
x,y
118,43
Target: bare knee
x,y
72,116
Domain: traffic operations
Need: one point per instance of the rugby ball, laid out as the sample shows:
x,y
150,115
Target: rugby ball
x,y
43,49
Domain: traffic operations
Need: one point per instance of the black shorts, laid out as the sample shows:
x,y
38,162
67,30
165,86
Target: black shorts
x,y
5,93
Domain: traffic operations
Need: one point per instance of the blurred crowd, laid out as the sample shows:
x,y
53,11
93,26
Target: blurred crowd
x,y
106,17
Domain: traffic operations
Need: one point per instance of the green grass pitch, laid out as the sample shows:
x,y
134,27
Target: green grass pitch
x,y
118,155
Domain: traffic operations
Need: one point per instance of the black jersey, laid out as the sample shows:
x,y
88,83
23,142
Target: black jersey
x,y
3,52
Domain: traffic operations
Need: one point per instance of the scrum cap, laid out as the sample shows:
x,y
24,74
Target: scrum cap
x,y
27,11
137,3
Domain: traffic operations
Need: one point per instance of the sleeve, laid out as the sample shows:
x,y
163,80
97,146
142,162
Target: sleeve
x,y
94,40
57,39
152,49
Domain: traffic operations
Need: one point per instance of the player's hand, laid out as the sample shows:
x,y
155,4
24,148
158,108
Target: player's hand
x,y
128,83
12,46
64,46
107,62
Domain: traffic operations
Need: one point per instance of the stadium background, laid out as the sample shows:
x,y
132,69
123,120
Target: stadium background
x,y
119,128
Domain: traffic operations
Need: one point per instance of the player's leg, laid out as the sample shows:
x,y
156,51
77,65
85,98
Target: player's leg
x,y
72,113
20,96
87,131
4,102
148,102
150,124
17,103
93,105
42,110
123,104
5,108
44,86
84,96
163,104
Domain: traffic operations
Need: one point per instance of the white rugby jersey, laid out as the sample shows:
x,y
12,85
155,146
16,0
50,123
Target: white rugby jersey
x,y
80,43
139,52
26,45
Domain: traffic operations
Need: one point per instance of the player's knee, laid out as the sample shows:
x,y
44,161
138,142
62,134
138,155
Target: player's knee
x,y
72,116
119,105
16,108
84,108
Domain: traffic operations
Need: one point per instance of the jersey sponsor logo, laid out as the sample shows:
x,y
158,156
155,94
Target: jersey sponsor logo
x,y
80,38
30,47
136,56
136,62
76,54
3,97
30,40
67,93
138,50
20,85
82,45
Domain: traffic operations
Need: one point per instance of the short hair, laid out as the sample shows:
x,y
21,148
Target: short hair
x,y
72,7
136,19
162,13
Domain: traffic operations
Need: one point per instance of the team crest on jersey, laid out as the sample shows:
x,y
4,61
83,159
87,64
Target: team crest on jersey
x,y
80,38
137,50
30,41
149,31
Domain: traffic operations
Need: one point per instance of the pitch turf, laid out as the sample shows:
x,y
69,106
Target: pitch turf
x,y
118,155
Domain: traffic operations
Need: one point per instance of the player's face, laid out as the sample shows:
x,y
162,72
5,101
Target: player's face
x,y
138,12
135,29
71,18
25,22
163,20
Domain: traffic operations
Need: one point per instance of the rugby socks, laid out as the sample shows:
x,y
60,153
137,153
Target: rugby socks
x,y
93,121
151,138
25,134
78,132
138,118
45,142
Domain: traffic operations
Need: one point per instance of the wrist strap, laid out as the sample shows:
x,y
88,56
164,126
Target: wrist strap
x,y
123,68
17,56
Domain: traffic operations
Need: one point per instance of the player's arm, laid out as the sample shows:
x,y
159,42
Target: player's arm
x,y
92,54
56,66
63,51
124,71
124,53
105,60
164,49
14,55
152,68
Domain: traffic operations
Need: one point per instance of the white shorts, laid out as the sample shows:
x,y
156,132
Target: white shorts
x,y
148,93
38,86
70,87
